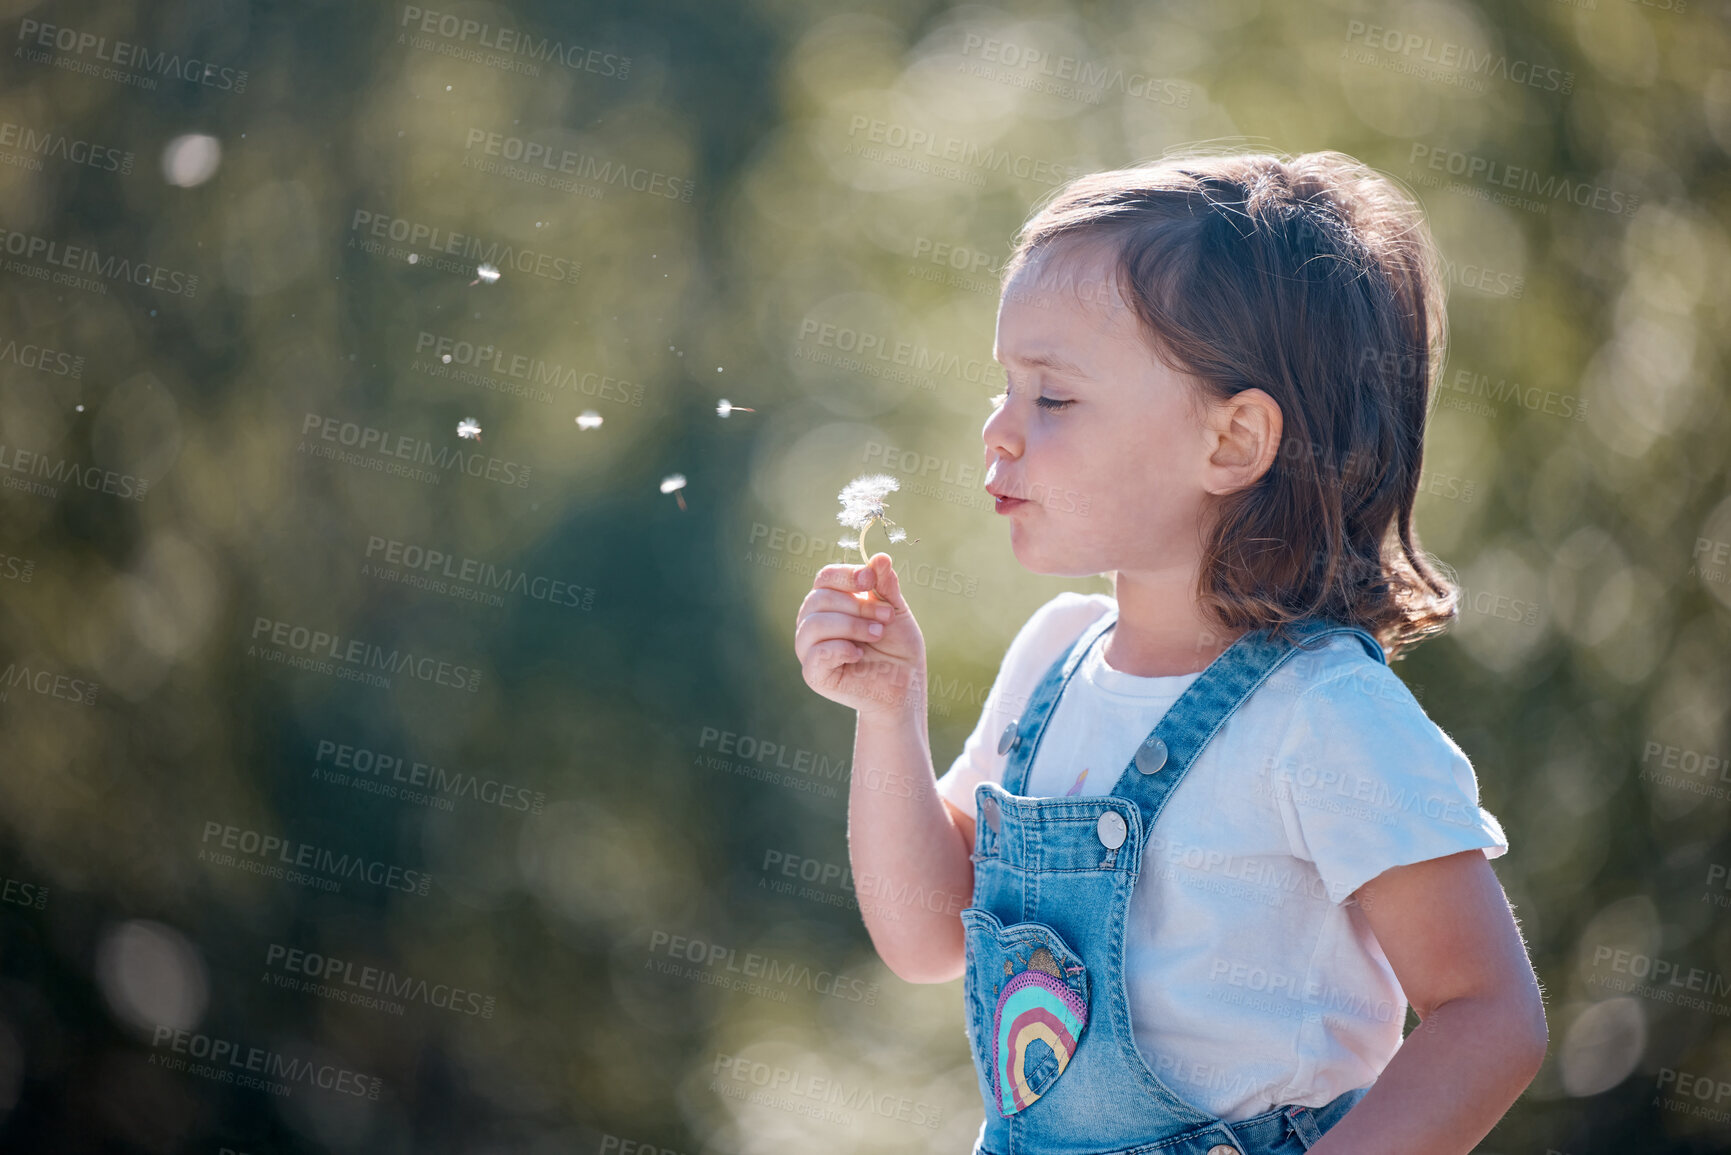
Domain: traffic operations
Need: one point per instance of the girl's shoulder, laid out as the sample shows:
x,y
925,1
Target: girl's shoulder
x,y
1064,617
1338,696
1045,637
1338,675
1053,628
1346,711
1364,778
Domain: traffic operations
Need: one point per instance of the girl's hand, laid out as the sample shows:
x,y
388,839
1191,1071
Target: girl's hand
x,y
882,674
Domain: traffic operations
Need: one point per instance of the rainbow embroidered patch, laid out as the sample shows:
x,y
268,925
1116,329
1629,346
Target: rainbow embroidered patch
x,y
1036,1026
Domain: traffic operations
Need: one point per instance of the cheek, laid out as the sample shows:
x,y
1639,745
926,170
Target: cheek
x,y
1129,456
1136,478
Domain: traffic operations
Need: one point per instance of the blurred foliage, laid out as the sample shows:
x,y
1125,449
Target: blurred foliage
x,y
626,771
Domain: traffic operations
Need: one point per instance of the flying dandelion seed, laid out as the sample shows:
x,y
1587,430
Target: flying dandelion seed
x,y
486,272
446,358
724,407
191,159
673,483
589,419
469,427
862,506
414,258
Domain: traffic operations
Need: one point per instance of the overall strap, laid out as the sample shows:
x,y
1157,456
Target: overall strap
x,y
1021,738
1173,746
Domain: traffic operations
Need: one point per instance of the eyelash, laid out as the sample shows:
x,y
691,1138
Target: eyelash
x,y
1050,404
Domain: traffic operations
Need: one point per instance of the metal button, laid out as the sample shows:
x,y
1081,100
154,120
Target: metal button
x,y
1009,739
990,806
1111,830
1222,1149
1151,755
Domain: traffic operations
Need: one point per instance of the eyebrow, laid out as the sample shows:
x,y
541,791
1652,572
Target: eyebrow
x,y
1046,359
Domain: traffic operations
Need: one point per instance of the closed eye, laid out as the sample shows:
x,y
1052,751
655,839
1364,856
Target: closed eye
x,y
1051,404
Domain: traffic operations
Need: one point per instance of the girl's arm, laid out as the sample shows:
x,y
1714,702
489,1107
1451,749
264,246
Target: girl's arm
x,y
909,850
912,870
1450,935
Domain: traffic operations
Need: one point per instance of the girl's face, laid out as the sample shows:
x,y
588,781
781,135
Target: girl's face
x,y
1096,434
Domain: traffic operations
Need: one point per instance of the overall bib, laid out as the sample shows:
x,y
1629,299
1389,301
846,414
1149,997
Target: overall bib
x,y
1046,1006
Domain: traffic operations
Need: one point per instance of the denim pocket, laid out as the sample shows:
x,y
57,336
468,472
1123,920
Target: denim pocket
x,y
1027,1006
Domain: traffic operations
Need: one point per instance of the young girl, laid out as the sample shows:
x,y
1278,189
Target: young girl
x,y
1203,847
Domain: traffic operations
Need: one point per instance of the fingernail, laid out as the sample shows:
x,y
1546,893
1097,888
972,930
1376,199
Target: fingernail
x,y
874,628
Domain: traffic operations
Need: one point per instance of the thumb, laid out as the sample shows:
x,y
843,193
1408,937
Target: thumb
x,y
887,583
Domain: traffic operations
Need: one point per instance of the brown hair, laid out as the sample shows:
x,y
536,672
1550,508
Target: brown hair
x,y
1315,280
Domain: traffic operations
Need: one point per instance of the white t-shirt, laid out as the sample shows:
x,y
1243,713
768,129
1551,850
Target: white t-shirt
x,y
1253,978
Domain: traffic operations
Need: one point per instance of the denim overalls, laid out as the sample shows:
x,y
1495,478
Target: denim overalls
x,y
1047,1012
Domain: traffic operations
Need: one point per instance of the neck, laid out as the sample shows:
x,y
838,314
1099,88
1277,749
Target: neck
x,y
1161,630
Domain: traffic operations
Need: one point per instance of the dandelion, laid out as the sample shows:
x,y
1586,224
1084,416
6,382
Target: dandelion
x,y
485,272
673,483
724,407
589,419
469,427
862,505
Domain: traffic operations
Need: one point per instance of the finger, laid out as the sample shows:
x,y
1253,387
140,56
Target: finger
x,y
824,625
835,652
840,576
834,601
857,580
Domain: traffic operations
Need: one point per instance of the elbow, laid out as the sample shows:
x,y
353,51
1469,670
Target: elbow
x,y
1526,1036
926,967
927,970
1509,1029
1536,1040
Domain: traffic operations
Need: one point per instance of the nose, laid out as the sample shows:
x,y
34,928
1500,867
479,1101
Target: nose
x,y
1002,434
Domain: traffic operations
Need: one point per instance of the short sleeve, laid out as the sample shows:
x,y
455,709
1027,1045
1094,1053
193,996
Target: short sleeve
x,y
1048,633
1366,781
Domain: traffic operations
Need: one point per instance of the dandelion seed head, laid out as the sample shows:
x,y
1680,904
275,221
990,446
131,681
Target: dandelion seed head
x,y
862,499
468,427
898,535
672,482
589,419
724,407
487,272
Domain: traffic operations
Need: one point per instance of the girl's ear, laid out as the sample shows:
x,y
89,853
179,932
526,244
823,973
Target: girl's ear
x,y
1243,436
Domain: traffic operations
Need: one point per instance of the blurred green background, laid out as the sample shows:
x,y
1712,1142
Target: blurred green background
x,y
466,788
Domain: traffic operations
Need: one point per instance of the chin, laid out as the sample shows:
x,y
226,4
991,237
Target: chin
x,y
1029,559
1050,562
